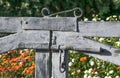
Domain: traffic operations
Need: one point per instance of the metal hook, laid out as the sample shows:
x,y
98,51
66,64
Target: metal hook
x,y
62,66
43,10
66,11
78,16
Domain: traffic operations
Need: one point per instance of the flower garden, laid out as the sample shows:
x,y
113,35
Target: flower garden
x,y
17,64
83,66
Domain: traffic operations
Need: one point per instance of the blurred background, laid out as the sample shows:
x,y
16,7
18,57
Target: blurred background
x,y
103,8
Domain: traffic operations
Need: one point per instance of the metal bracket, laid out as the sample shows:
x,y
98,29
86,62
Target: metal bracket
x,y
62,12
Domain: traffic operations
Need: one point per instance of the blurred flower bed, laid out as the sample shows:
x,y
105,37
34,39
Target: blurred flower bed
x,y
83,66
17,64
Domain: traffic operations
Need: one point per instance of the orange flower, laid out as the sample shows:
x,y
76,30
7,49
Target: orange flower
x,y
83,58
28,58
29,70
5,61
118,68
14,64
17,67
33,64
25,70
23,54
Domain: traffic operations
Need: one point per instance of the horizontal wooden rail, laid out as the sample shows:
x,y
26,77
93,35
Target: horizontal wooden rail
x,y
73,40
100,29
16,24
10,24
9,42
53,23
112,57
40,40
35,39
26,39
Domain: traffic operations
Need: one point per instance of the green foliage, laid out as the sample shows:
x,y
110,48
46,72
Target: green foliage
x,y
103,8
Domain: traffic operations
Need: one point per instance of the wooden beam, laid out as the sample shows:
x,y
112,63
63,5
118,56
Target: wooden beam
x,y
73,40
112,57
34,39
100,29
16,24
42,64
55,65
10,24
9,42
40,40
52,23
108,53
25,39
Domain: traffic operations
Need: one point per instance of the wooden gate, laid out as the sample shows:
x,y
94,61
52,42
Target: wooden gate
x,y
52,38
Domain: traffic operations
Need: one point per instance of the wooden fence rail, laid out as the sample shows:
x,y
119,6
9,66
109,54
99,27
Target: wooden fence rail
x,y
51,35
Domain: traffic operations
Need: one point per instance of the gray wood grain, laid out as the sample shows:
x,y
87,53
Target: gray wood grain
x,y
100,29
108,53
42,64
16,24
73,40
34,39
25,39
40,40
112,57
52,23
9,42
10,24
55,66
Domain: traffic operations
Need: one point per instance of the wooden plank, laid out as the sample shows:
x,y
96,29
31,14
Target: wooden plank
x,y
10,24
112,57
73,40
103,47
9,42
25,39
40,40
15,24
108,53
52,23
100,29
42,64
55,66
34,39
